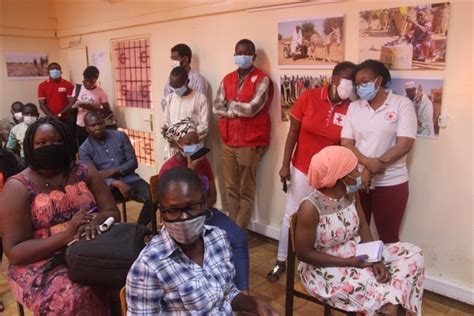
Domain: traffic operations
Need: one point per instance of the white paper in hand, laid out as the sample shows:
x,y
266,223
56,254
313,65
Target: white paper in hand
x,y
372,249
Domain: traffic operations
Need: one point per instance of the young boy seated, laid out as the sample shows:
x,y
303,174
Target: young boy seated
x,y
15,139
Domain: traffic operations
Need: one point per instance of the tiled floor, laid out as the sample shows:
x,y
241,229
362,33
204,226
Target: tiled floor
x,y
262,257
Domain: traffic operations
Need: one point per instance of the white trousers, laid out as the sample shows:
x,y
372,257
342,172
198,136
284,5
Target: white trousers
x,y
297,190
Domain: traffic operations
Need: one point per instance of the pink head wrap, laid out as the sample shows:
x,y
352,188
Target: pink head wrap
x,y
329,165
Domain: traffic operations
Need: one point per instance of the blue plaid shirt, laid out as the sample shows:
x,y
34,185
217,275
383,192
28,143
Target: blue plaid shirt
x,y
163,280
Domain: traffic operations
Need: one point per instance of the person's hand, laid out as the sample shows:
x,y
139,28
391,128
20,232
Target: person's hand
x,y
375,166
284,173
124,189
192,164
90,229
111,173
381,272
359,262
78,220
262,308
365,176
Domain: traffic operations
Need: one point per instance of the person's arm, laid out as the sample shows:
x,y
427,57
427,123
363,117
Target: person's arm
x,y
17,235
406,134
252,305
212,194
12,143
308,219
143,290
290,144
364,230
200,84
220,107
131,162
203,126
105,204
42,100
250,109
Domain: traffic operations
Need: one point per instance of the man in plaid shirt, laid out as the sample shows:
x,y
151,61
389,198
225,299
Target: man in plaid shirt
x,y
186,268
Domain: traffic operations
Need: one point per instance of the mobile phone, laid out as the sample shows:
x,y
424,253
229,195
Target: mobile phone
x,y
285,187
200,153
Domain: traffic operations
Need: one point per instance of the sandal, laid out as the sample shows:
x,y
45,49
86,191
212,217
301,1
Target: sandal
x,y
277,270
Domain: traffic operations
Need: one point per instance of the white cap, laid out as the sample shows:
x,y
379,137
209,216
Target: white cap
x,y
410,85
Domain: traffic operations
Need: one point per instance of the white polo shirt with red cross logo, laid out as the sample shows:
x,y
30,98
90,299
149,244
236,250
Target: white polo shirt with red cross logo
x,y
375,132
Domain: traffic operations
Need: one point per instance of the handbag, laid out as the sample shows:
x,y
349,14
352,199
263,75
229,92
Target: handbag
x,y
105,261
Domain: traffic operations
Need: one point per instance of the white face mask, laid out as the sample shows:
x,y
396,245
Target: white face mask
x,y
175,63
29,120
188,231
18,116
345,89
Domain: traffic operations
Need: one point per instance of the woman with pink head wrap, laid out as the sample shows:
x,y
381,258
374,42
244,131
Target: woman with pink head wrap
x,y
330,226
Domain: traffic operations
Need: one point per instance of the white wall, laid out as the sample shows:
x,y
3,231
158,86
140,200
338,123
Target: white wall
x,y
439,214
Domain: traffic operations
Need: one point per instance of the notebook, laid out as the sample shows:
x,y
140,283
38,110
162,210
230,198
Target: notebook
x,y
372,249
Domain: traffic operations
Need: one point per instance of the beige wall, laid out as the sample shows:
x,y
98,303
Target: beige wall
x,y
26,26
439,214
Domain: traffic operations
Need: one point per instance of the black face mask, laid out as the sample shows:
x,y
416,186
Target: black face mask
x,y
51,157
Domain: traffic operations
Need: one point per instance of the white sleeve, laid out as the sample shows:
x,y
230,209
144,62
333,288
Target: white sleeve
x,y
407,122
203,126
347,131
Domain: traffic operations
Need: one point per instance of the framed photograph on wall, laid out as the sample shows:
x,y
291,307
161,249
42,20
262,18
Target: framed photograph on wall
x,y
409,38
292,86
426,95
311,42
27,66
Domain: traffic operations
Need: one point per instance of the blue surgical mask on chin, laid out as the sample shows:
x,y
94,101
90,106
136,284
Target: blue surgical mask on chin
x,y
55,73
191,149
351,188
243,61
367,91
181,90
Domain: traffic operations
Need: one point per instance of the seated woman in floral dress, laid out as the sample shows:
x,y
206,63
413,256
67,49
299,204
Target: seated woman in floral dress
x,y
330,224
44,208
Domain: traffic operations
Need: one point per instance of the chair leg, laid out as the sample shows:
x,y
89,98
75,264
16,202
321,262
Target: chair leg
x,y
327,310
124,211
21,312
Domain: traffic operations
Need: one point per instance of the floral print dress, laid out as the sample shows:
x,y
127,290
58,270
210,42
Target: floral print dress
x,y
354,289
48,291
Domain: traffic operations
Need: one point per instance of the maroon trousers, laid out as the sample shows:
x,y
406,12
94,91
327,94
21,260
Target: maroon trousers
x,y
388,206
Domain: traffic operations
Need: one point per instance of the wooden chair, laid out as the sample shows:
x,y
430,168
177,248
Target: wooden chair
x,y
154,202
123,301
296,288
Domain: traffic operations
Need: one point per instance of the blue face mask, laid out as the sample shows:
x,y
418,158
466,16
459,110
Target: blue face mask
x,y
191,149
351,188
181,90
55,73
243,61
367,91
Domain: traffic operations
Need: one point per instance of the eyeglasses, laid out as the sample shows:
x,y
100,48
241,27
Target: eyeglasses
x,y
174,213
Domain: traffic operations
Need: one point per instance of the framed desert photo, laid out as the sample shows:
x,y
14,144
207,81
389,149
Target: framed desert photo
x,y
26,66
409,38
311,42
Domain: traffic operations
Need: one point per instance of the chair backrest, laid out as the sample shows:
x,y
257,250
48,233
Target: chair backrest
x,y
292,230
154,201
123,301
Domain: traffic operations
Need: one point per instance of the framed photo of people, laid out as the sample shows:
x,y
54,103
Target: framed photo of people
x,y
408,38
292,86
311,42
426,95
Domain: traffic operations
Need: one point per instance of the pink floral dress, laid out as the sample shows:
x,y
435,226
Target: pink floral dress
x,y
353,289
52,292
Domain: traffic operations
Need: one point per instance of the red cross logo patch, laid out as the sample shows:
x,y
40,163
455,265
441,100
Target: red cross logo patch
x,y
338,119
391,116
